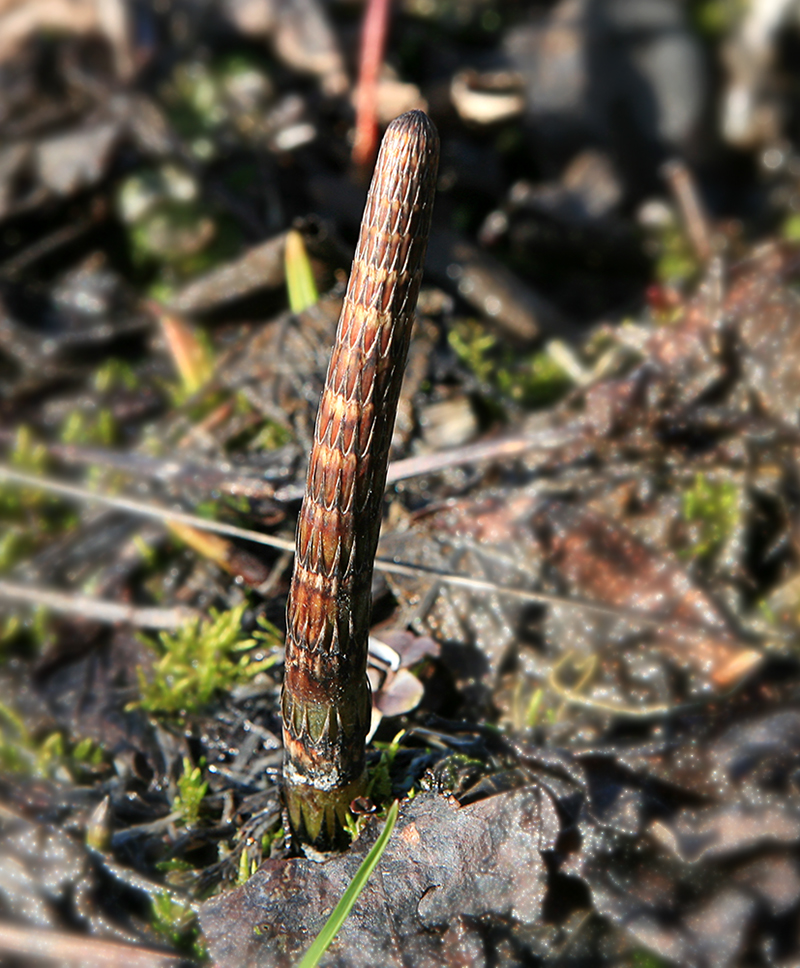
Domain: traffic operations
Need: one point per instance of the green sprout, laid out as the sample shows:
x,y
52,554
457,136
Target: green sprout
x,y
32,631
176,922
790,230
299,276
677,263
247,867
534,710
13,545
26,455
337,918
15,754
114,374
269,436
640,958
83,759
201,659
380,782
712,507
191,790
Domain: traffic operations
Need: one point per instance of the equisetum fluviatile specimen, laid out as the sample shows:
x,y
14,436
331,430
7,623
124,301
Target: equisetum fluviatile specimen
x,y
326,695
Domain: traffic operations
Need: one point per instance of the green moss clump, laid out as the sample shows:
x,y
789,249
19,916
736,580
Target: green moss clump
x,y
532,379
176,922
29,456
50,755
712,509
98,428
201,659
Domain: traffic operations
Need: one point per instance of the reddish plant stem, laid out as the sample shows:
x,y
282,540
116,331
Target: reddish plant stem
x,y
373,46
326,697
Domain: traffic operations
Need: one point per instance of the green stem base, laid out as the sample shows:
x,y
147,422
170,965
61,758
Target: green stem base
x,y
318,818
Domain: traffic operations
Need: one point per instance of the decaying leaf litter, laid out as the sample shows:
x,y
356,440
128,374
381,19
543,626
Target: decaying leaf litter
x,y
585,610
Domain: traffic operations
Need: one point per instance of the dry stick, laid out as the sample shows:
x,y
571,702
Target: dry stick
x,y
502,448
143,509
218,476
96,608
78,949
326,696
695,219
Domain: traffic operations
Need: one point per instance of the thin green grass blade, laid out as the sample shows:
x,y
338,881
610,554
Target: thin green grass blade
x,y
312,957
299,277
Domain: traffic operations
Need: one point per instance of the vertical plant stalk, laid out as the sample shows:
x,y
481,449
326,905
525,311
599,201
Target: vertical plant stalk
x,y
326,700
373,47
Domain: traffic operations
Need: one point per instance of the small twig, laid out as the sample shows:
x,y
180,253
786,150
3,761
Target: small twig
x,y
684,189
51,243
219,476
144,510
95,608
79,950
505,447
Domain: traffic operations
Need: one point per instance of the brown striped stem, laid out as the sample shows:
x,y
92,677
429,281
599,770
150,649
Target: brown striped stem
x,y
326,696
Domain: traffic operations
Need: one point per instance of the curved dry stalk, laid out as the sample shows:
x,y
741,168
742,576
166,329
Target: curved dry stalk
x,y
326,696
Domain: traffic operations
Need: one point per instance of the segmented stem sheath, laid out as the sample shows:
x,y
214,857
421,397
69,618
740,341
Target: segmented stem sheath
x,y
326,699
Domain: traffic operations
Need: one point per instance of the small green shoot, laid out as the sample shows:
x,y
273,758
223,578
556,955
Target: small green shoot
x,y
712,507
115,374
247,867
380,781
148,554
177,923
199,660
191,790
88,753
790,230
354,824
677,264
270,436
14,755
329,931
640,958
534,709
13,544
26,455
299,277
270,838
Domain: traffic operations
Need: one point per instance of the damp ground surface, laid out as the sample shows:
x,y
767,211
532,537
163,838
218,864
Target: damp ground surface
x,y
586,605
